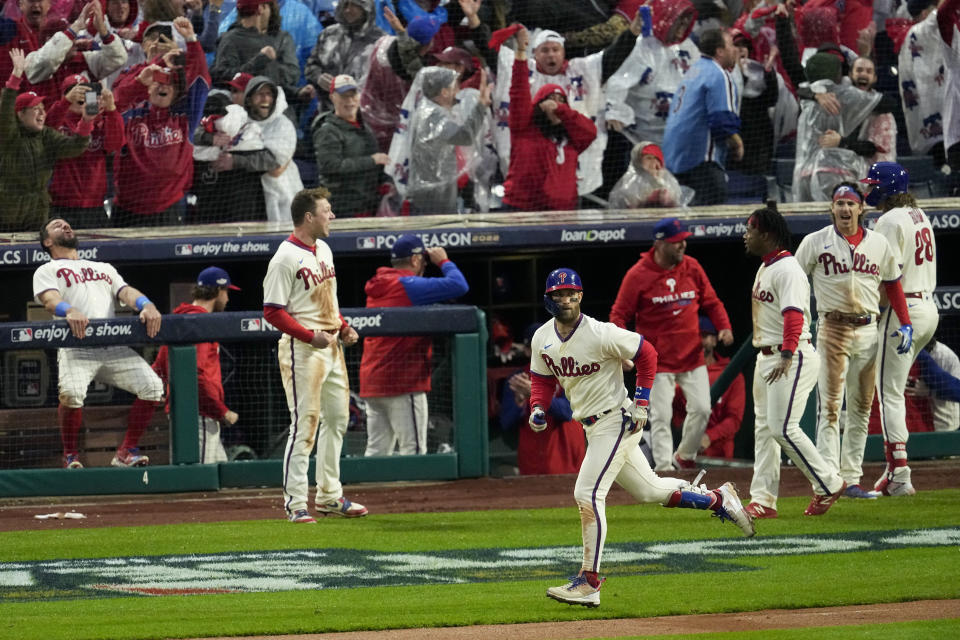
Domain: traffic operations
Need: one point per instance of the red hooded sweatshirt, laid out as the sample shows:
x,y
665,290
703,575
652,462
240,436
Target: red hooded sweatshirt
x,y
664,305
543,173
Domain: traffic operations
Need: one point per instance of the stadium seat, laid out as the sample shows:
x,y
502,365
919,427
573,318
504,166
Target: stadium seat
x,y
783,169
926,180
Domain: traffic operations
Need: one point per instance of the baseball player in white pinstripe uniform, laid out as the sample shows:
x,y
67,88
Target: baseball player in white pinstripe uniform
x,y
848,264
585,357
300,299
786,370
907,229
79,290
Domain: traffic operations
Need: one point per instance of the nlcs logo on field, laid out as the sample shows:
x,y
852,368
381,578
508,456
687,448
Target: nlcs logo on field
x,y
21,335
251,324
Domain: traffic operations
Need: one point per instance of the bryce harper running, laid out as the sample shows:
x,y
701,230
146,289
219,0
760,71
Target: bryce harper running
x,y
847,264
584,356
79,290
300,299
907,229
786,370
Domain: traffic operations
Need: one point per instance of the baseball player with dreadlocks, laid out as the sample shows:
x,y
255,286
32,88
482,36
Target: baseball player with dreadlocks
x,y
584,356
848,264
786,370
908,231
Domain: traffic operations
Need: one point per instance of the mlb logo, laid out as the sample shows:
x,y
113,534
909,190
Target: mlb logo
x,y
21,335
700,230
368,242
250,324
183,250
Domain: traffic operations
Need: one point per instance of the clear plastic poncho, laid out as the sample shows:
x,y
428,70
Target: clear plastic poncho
x,y
423,152
637,189
819,170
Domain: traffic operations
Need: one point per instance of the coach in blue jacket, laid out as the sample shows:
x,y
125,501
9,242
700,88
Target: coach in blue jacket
x,y
704,121
395,371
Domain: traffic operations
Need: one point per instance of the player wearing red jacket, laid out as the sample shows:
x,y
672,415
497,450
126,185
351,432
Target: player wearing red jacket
x,y
546,138
210,295
727,414
397,401
79,184
662,294
161,111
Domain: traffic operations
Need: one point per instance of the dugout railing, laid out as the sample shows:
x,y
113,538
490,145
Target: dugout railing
x,y
462,329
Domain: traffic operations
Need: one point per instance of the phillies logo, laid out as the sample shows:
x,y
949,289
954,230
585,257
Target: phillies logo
x,y
86,275
915,49
569,368
311,277
682,61
562,277
670,282
860,265
141,135
910,97
762,295
932,126
575,90
503,114
661,104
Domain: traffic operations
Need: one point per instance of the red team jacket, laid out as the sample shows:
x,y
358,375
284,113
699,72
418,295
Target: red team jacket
x,y
664,305
82,181
209,385
727,414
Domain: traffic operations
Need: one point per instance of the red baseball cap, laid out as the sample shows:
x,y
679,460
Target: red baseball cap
x,y
456,55
240,80
27,100
71,81
653,150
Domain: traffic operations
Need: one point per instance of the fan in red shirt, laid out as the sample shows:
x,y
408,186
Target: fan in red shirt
x,y
727,414
79,185
662,295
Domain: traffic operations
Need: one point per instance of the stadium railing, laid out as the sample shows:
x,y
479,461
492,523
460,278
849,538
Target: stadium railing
x,y
457,403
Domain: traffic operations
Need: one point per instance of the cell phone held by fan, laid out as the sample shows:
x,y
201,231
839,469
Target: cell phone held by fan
x,y
91,106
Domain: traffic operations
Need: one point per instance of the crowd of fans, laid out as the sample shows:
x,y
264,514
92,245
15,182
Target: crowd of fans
x,y
156,112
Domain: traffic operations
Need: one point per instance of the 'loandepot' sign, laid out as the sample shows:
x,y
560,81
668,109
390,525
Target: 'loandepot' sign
x,y
348,568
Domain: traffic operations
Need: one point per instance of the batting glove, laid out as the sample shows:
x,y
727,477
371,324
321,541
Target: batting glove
x,y
905,333
538,419
641,403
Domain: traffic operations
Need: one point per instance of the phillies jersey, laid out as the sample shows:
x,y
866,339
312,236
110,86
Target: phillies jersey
x,y
780,285
908,231
845,278
89,286
586,363
302,280
664,306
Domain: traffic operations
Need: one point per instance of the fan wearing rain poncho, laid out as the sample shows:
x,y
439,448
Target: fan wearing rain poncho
x,y
424,160
266,103
818,170
647,183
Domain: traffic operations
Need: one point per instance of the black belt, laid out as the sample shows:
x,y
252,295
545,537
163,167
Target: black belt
x,y
769,351
849,318
592,419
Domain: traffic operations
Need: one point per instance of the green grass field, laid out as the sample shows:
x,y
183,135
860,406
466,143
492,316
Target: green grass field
x,y
466,568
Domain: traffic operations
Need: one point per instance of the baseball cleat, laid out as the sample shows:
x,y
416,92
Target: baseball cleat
x,y
681,463
856,491
889,487
577,591
301,516
730,508
757,510
72,461
129,458
819,505
342,507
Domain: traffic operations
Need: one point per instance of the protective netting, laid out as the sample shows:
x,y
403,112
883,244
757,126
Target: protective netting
x,y
192,121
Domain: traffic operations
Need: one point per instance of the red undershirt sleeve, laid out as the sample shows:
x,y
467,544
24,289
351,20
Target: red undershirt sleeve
x,y
645,363
284,321
542,389
792,326
897,300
